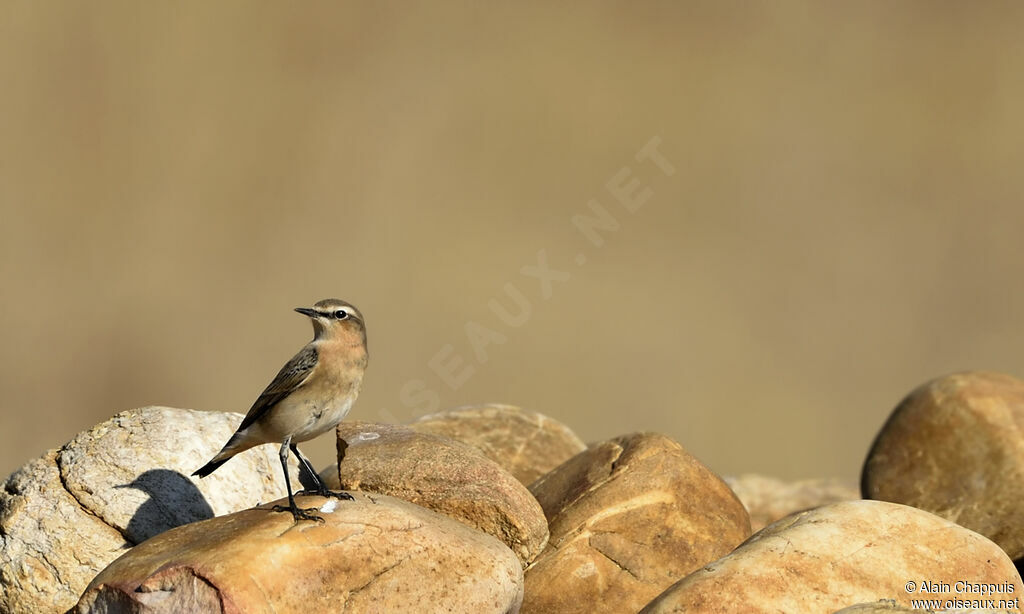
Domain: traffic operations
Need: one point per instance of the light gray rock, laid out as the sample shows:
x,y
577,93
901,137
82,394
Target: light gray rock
x,y
37,514
375,554
526,443
66,515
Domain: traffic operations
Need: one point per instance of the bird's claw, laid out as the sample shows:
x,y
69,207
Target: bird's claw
x,y
299,513
344,496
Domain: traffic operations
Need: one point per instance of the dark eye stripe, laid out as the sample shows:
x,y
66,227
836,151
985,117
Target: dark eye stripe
x,y
337,314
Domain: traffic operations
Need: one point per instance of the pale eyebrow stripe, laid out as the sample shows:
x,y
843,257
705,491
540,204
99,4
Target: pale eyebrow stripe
x,y
330,313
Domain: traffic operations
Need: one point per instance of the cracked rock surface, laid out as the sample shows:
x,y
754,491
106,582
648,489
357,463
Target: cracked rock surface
x,y
955,447
628,517
526,443
833,556
443,475
67,514
375,554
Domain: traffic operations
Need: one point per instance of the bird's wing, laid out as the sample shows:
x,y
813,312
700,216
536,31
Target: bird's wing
x,y
290,377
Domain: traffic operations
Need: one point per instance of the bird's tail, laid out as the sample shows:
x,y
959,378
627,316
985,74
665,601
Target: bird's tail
x,y
239,442
210,467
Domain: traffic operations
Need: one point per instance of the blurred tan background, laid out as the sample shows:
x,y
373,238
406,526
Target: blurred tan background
x,y
844,222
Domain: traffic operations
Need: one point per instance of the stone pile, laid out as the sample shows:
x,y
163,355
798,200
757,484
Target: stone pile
x,y
498,509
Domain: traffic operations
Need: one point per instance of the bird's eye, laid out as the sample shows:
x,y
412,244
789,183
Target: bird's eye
x,y
341,314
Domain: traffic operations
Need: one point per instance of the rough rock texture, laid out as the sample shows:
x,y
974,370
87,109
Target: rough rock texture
x,y
830,557
526,443
370,555
955,447
67,514
769,499
444,475
628,517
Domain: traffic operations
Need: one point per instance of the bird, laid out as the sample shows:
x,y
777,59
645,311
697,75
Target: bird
x,y
310,395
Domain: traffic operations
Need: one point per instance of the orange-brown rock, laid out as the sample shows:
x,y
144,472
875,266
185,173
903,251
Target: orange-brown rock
x,y
444,475
955,447
628,517
67,514
769,499
369,555
845,553
526,443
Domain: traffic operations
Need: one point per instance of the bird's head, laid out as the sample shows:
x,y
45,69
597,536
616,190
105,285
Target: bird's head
x,y
335,320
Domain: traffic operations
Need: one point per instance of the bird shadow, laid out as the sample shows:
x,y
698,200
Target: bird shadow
x,y
173,500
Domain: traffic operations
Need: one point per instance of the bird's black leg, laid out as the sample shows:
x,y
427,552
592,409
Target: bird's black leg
x,y
320,487
298,513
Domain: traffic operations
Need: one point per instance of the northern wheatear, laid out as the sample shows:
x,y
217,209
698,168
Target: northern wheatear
x,y
310,395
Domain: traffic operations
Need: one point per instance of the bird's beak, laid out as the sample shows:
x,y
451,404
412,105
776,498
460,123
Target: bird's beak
x,y
306,311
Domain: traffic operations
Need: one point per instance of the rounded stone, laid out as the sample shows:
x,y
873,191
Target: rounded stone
x,y
628,517
526,443
67,514
769,499
371,554
444,475
955,447
825,559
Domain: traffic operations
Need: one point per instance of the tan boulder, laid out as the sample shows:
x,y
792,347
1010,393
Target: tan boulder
x,y
628,517
67,514
370,555
526,443
955,447
845,553
769,499
443,475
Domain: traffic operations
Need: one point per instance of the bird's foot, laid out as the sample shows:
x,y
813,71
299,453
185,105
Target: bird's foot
x,y
344,496
299,513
